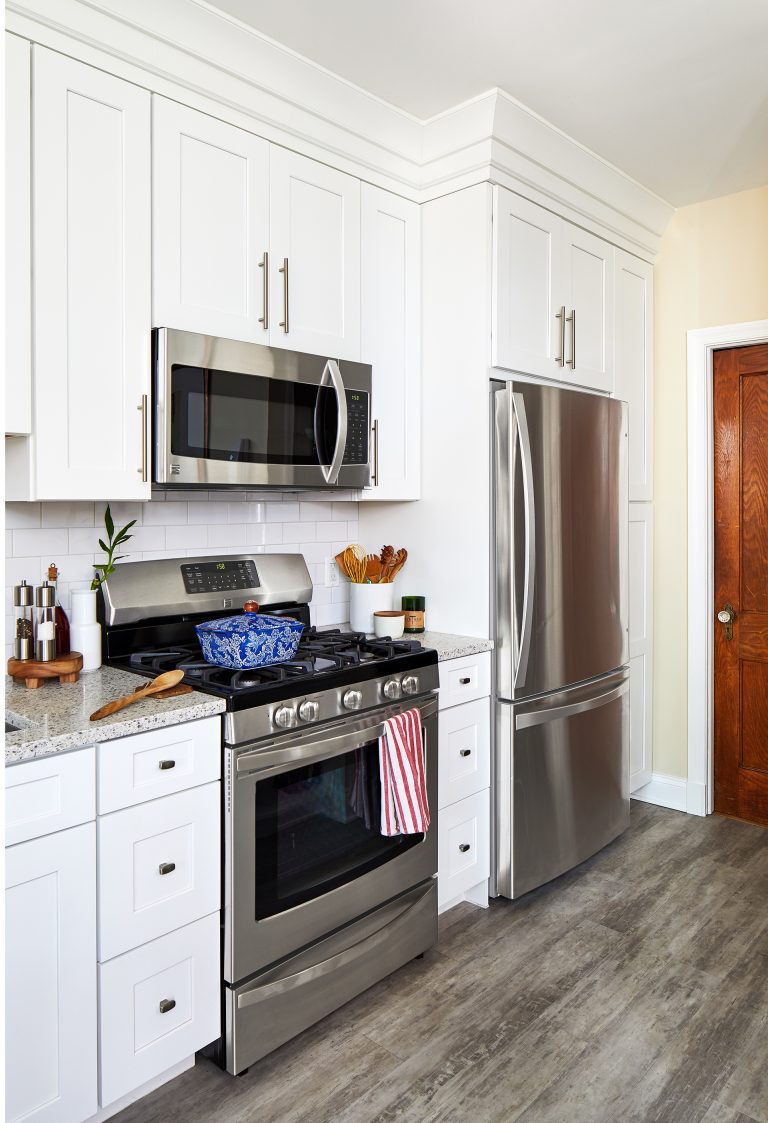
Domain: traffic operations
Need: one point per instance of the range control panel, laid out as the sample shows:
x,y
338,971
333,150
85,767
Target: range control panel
x,y
219,576
356,451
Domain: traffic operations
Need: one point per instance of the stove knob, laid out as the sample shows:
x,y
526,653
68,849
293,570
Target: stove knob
x,y
309,711
285,717
352,700
410,684
391,689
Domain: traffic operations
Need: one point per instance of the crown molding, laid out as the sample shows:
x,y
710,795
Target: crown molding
x,y
190,51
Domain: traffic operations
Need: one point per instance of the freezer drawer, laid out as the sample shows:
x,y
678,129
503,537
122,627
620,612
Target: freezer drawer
x,y
562,772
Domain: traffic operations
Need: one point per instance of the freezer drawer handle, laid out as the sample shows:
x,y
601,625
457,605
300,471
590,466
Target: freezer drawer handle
x,y
464,752
465,681
541,717
164,765
166,867
464,847
167,1004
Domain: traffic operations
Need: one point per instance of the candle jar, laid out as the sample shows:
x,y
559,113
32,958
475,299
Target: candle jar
x,y
45,632
24,626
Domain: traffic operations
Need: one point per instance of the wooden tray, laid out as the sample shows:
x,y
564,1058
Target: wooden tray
x,y
66,668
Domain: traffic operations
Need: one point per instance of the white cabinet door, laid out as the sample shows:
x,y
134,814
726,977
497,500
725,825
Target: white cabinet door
x,y
634,365
18,273
92,278
315,228
210,200
50,947
527,286
640,643
390,339
589,271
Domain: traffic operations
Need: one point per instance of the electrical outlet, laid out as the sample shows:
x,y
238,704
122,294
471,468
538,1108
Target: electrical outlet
x,y
331,573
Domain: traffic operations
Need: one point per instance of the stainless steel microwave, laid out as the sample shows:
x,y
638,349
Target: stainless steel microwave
x,y
231,414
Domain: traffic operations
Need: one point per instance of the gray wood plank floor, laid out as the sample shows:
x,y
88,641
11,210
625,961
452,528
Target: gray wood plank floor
x,y
631,990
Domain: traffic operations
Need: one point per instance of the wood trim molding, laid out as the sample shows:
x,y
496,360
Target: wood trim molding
x,y
701,344
188,49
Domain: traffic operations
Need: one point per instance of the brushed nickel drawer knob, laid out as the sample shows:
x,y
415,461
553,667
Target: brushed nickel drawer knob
x,y
464,847
166,867
465,752
164,765
465,681
167,1004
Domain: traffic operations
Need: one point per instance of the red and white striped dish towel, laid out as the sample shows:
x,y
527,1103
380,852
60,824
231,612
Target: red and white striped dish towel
x,y
404,807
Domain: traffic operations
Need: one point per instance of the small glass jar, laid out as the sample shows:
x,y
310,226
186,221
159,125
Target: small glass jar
x,y
45,633
24,627
414,609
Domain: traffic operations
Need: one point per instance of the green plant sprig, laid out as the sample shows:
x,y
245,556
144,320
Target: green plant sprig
x,y
114,541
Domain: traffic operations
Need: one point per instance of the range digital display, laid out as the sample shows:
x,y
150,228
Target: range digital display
x,y
219,576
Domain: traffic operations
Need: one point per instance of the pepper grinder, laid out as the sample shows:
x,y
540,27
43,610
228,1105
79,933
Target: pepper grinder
x,y
23,642
45,636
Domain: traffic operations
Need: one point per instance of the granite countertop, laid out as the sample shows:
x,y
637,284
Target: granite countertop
x,y
55,717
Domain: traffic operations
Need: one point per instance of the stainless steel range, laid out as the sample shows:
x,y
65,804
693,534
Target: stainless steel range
x,y
317,904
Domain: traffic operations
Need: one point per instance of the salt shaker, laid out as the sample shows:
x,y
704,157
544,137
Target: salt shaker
x,y
23,641
45,635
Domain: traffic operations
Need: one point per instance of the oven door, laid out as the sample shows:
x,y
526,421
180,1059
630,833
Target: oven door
x,y
239,414
303,850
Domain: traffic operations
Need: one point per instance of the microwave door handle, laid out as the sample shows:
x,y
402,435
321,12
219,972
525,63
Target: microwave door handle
x,y
332,370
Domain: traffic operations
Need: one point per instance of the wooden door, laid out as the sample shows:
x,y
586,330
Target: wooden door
x,y
589,268
314,222
390,338
210,198
50,1002
92,282
741,582
528,287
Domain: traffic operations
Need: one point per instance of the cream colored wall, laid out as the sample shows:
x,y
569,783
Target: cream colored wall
x,y
712,269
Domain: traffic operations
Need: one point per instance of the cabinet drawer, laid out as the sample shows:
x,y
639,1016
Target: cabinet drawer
x,y
158,868
463,846
464,760
463,680
158,1004
147,765
43,796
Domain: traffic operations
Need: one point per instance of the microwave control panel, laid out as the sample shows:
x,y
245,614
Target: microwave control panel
x,y
219,576
356,451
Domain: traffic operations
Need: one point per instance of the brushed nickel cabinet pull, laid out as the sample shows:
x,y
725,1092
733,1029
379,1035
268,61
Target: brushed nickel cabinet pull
x,y
164,765
465,681
166,867
264,317
464,847
284,323
143,410
560,360
465,752
375,480
167,1004
572,321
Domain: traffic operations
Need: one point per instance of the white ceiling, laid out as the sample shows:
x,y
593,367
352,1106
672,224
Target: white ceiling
x,y
673,92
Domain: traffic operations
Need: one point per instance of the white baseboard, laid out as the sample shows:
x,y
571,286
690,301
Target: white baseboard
x,y
667,791
143,1090
696,798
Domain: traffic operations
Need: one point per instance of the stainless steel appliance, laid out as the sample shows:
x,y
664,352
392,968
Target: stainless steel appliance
x,y
232,414
561,630
317,903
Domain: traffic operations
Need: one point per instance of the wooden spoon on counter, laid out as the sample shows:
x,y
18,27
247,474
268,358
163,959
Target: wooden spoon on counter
x,y
162,682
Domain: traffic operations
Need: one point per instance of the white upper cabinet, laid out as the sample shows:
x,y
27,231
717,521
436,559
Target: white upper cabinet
x,y
92,274
634,365
526,251
588,294
553,303
210,200
391,339
18,294
314,244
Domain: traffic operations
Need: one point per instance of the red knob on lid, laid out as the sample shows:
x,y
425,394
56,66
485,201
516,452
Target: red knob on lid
x,y
251,606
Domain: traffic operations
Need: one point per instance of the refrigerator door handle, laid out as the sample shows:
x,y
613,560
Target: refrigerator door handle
x,y
526,460
540,717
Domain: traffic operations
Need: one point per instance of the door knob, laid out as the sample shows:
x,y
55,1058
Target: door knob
x,y
726,616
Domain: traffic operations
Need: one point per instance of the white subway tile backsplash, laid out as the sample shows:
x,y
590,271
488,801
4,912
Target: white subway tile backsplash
x,y
207,513
316,512
227,534
85,540
255,533
165,514
122,514
28,542
283,512
67,515
22,516
247,512
146,538
329,532
298,532
185,537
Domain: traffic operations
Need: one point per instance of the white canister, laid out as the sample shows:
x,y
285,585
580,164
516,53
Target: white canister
x,y
366,599
84,629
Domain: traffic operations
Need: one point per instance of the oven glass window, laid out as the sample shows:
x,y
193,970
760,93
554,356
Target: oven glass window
x,y
317,827
221,415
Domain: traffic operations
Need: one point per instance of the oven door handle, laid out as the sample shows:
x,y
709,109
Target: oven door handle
x,y
321,747
414,904
332,377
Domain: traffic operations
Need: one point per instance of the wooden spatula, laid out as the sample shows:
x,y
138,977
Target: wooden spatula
x,y
172,692
162,682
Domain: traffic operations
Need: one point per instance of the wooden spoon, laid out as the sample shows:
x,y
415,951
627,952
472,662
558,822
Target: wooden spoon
x,y
172,692
162,682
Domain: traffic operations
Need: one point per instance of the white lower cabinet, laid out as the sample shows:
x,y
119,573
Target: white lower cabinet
x,y
463,780
157,1005
50,1000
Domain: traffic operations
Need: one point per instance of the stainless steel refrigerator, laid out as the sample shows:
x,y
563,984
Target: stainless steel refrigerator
x,y
561,630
